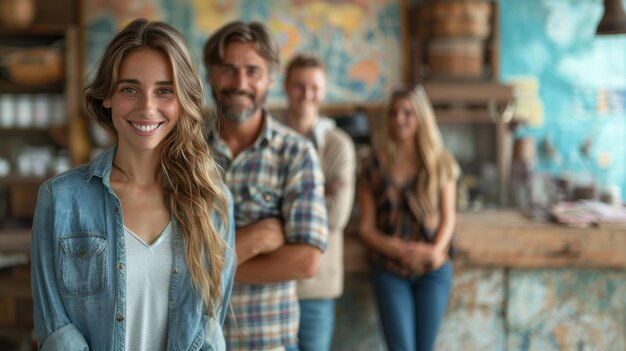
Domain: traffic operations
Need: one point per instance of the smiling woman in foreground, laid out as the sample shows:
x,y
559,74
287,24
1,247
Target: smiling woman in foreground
x,y
134,249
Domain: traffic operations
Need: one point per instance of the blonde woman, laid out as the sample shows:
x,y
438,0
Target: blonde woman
x,y
134,249
407,217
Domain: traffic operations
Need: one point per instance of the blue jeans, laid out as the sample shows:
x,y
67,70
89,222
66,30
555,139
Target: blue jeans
x,y
411,309
317,323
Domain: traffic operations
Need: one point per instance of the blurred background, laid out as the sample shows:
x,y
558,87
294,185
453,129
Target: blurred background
x,y
530,97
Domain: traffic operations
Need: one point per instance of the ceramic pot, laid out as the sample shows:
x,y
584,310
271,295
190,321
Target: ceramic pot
x,y
17,14
34,66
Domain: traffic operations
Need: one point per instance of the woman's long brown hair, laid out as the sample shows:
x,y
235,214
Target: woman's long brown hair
x,y
188,174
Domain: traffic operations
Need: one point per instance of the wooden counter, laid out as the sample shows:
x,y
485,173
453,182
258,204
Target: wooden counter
x,y
497,238
505,238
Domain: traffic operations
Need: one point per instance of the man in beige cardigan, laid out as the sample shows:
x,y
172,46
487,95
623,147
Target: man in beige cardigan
x,y
305,86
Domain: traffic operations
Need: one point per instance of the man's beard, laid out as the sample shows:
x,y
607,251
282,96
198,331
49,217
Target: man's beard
x,y
232,113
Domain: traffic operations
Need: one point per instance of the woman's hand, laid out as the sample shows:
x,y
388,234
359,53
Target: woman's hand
x,y
415,254
439,258
421,256
396,247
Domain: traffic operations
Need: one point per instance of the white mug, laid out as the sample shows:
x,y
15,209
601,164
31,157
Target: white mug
x,y
7,111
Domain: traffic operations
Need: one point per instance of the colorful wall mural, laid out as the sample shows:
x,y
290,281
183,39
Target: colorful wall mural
x,y
360,41
581,76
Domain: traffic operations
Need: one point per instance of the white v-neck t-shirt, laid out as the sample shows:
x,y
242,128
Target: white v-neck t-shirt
x,y
148,273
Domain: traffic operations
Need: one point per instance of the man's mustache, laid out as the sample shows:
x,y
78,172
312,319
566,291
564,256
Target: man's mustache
x,y
246,93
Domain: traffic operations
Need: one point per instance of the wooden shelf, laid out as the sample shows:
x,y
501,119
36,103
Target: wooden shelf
x,y
469,92
461,116
461,93
41,29
72,136
58,134
15,240
56,26
22,180
468,102
30,130
8,87
336,110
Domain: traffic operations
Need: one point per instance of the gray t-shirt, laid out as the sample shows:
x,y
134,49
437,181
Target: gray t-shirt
x,y
148,273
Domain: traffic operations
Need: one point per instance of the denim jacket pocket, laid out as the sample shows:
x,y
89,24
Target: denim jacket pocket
x,y
83,263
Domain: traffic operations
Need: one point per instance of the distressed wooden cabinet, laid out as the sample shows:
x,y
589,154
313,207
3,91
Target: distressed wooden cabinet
x,y
42,125
519,285
43,115
454,52
55,26
524,285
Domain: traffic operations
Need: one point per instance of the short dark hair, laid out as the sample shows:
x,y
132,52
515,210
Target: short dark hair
x,y
303,61
238,31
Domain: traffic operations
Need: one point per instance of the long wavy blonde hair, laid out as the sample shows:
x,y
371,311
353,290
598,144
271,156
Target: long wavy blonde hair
x,y
436,163
188,174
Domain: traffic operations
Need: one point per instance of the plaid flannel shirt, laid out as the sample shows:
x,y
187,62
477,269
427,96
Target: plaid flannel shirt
x,y
393,213
278,176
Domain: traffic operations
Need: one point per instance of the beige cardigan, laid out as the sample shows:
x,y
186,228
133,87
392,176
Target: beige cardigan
x,y
338,159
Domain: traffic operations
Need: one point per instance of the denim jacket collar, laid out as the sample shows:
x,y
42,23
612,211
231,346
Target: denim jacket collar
x,y
101,165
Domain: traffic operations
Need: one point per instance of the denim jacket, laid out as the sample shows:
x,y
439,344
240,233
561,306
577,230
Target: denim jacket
x,y
79,269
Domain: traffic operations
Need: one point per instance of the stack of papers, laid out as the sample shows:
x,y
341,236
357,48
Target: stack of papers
x,y
589,212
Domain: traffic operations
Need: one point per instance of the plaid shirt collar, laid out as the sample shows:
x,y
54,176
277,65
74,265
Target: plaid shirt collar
x,y
224,156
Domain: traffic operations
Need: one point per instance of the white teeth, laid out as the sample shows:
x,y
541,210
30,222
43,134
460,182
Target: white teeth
x,y
145,128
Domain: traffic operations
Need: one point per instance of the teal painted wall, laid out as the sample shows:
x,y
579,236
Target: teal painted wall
x,y
582,82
